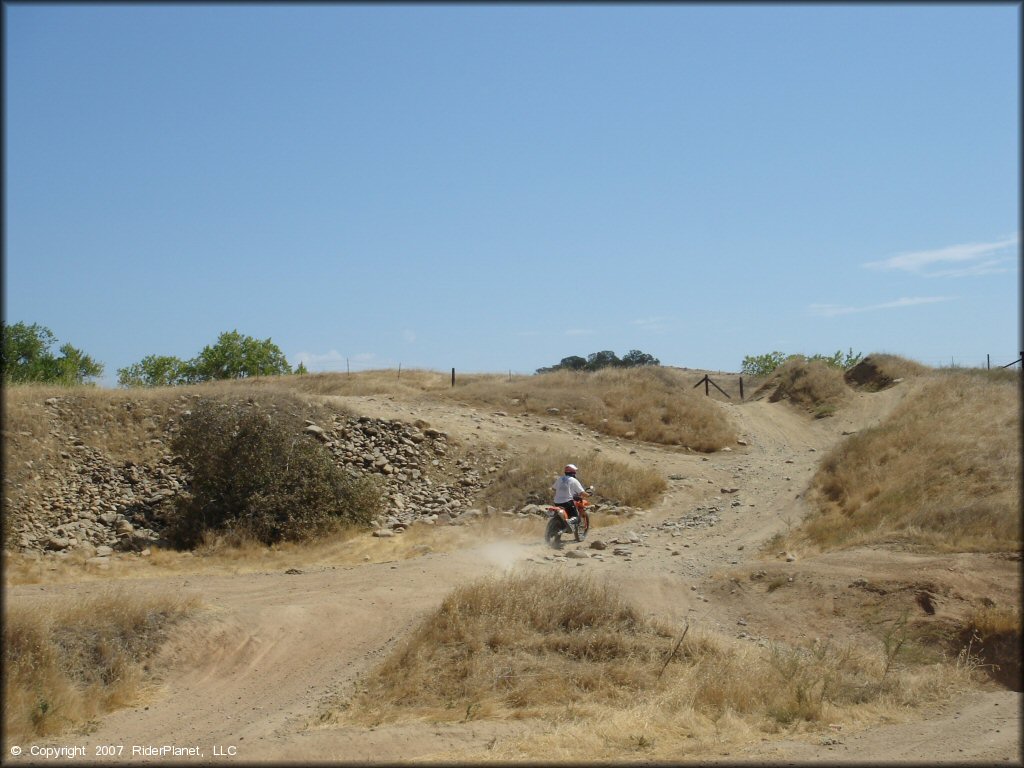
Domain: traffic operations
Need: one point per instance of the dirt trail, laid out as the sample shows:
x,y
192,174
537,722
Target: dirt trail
x,y
248,679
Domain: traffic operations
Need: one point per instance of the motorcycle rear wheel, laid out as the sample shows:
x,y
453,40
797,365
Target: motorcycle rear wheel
x,y
553,533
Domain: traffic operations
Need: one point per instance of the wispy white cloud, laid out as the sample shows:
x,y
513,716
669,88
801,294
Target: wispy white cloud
x,y
976,258
334,360
314,359
654,324
831,310
409,336
990,267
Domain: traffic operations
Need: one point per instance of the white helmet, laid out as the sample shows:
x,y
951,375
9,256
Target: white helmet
x,y
570,469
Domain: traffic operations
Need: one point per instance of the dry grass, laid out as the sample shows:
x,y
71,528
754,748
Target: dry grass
x,y
809,384
943,472
670,723
403,384
69,661
119,422
879,371
528,479
568,649
652,404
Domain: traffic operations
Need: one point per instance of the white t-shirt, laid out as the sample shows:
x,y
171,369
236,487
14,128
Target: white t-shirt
x,y
565,488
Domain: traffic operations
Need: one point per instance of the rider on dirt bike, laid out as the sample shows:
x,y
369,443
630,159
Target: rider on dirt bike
x,y
567,488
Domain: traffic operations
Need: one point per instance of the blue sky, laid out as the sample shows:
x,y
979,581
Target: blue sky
x,y
496,187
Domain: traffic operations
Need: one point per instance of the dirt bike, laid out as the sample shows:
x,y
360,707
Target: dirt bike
x,y
559,522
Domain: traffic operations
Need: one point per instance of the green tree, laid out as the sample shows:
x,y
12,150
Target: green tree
x,y
635,358
155,371
235,356
232,356
27,357
571,363
25,351
603,359
74,366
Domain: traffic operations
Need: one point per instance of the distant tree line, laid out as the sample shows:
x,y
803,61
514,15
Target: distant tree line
x,y
27,357
233,356
604,359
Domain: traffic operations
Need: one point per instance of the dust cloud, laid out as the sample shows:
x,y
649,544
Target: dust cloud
x,y
503,554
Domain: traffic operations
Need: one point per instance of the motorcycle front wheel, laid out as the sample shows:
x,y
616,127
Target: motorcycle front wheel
x,y
581,528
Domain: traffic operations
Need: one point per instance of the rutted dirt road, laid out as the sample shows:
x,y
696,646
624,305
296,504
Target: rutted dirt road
x,y
246,682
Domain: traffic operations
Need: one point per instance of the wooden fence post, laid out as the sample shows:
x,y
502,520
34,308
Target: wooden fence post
x,y
741,387
706,381
453,377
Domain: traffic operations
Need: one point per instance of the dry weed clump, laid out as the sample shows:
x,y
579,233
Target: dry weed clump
x,y
528,479
651,403
991,641
68,661
517,645
810,384
942,472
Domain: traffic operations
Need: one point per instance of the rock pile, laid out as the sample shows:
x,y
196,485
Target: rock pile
x,y
97,504
413,463
701,517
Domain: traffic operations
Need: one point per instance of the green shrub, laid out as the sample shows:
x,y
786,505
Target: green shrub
x,y
763,365
254,472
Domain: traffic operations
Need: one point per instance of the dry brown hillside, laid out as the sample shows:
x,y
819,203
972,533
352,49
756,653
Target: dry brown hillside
x,y
764,582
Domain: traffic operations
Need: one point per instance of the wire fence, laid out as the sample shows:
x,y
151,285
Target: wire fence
x,y
989,361
362,365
